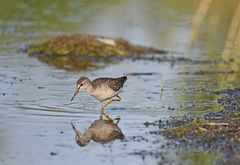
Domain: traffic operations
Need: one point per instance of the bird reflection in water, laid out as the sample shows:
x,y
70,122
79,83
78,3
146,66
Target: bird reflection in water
x,y
102,130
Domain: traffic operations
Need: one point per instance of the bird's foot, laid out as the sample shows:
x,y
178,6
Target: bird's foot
x,y
118,98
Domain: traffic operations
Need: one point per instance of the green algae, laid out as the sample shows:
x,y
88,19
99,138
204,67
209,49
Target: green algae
x,y
84,52
195,157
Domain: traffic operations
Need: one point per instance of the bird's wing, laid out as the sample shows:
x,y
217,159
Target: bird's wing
x,y
117,83
114,83
99,81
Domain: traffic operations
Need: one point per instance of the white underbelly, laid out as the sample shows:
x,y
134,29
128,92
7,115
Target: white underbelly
x,y
104,94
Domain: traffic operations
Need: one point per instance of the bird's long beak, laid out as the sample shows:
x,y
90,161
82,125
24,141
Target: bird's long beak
x,y
75,94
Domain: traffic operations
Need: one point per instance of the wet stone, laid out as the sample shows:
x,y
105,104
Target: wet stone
x,y
53,153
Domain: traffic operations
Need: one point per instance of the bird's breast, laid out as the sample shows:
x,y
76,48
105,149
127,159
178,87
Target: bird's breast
x,y
102,93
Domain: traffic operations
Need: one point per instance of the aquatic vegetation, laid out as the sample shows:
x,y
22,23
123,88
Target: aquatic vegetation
x,y
207,129
222,125
81,52
88,45
161,85
200,157
208,72
67,63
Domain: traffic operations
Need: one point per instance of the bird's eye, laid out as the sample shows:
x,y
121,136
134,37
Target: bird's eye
x,y
79,85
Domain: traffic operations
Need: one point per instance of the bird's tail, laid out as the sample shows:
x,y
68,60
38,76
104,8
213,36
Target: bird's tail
x,y
124,78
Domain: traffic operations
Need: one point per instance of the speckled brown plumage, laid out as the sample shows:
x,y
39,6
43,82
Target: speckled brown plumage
x,y
102,89
101,130
114,83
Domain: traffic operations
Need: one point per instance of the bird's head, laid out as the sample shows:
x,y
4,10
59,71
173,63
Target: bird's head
x,y
81,139
81,84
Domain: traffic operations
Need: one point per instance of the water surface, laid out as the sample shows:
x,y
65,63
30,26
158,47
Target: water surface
x,y
35,107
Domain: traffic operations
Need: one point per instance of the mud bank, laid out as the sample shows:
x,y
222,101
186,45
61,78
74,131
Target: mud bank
x,y
215,133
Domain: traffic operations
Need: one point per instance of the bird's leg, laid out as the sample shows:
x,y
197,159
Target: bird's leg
x,y
107,117
109,102
102,107
118,98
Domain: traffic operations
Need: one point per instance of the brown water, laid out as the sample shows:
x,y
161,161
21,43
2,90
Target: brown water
x,y
35,107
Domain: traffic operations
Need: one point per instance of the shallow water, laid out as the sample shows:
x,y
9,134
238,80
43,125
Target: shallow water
x,y
35,107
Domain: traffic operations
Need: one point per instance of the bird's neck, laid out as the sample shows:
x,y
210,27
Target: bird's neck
x,y
89,86
88,134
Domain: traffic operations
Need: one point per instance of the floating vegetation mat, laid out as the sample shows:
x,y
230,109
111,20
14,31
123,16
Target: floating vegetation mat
x,y
84,52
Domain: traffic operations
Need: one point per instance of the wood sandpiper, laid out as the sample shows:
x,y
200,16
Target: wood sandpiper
x,y
101,130
103,89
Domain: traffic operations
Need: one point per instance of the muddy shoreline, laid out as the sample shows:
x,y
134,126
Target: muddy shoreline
x,y
215,131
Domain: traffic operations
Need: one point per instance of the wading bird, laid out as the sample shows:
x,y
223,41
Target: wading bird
x,y
103,89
